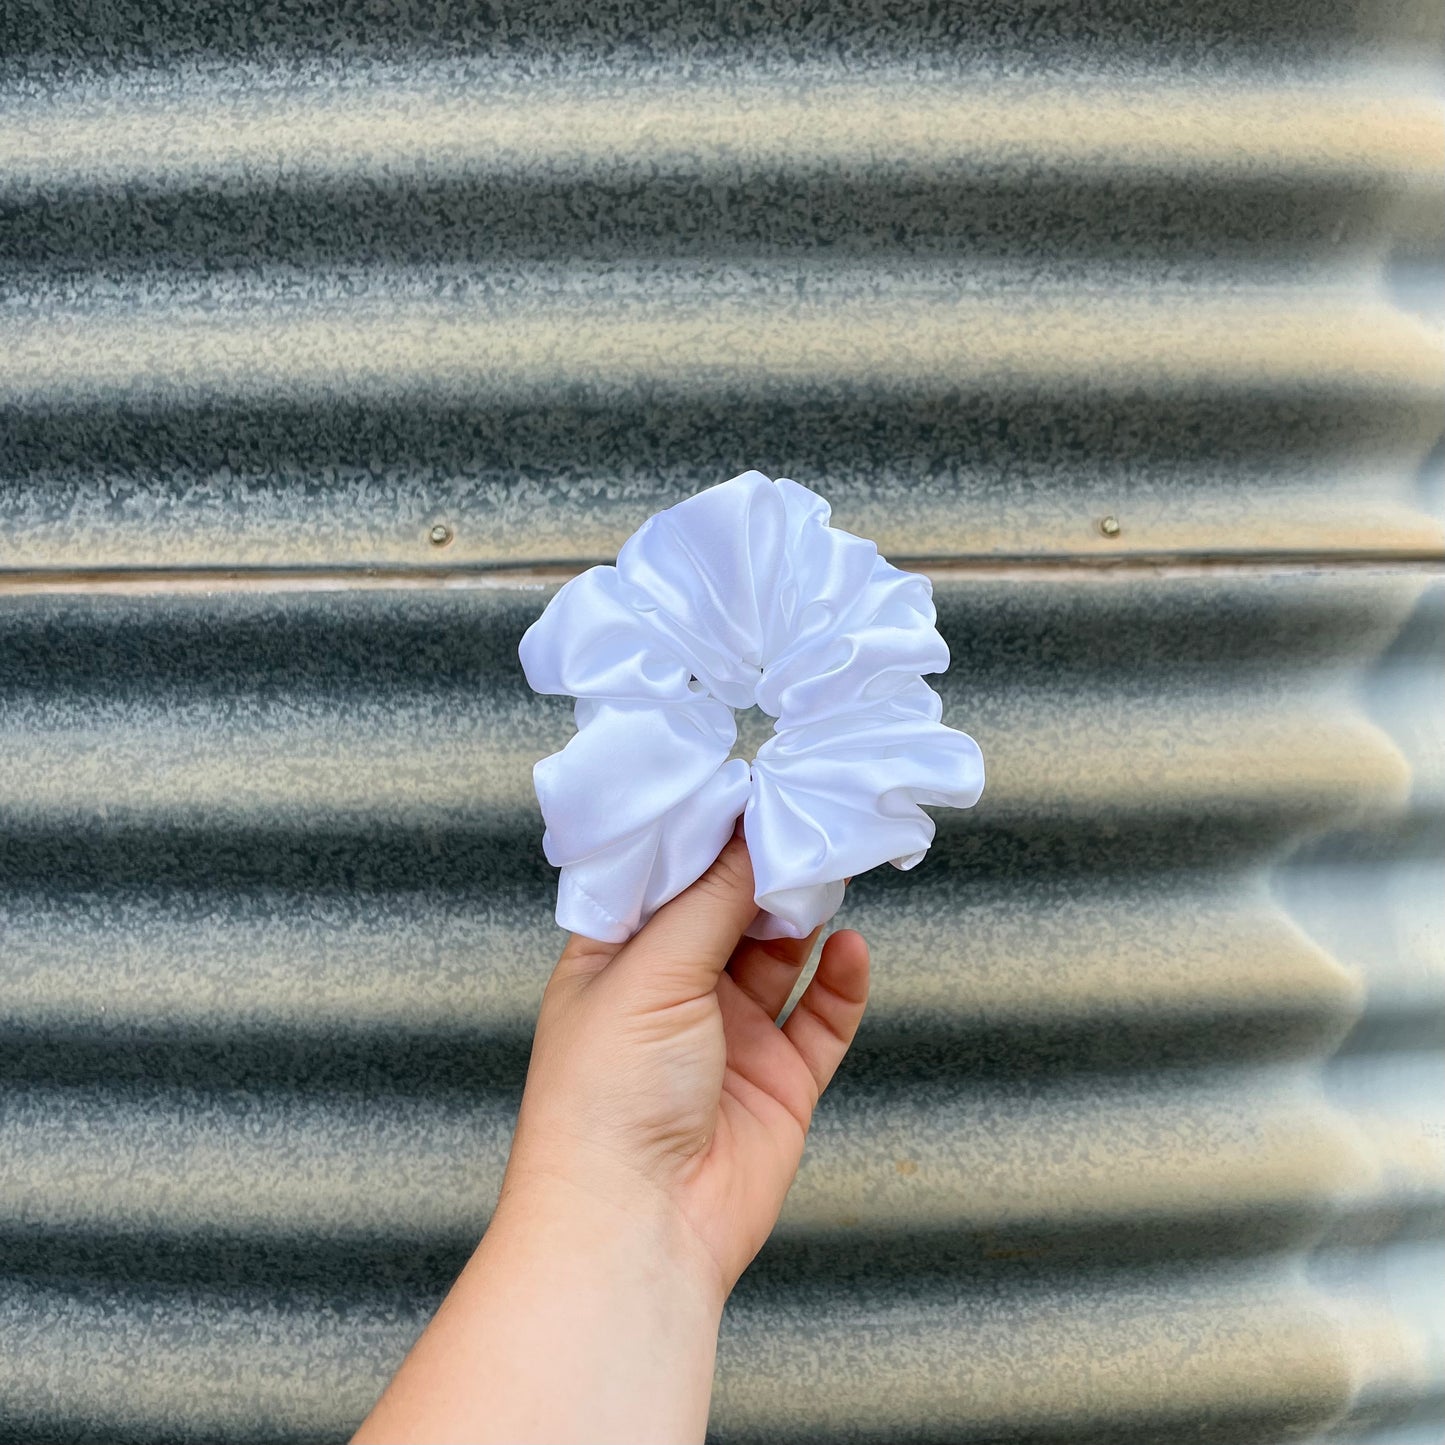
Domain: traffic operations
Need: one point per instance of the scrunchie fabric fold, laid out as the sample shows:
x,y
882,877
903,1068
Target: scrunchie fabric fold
x,y
743,594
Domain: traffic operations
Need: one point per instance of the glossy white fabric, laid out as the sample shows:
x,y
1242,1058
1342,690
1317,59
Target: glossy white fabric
x,y
742,594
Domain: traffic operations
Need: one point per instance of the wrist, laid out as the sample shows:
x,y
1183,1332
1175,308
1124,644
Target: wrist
x,y
608,1227
603,1326
574,1321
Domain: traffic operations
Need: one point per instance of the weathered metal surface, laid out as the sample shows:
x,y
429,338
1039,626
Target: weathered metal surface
x,y
301,316
276,923
1143,1139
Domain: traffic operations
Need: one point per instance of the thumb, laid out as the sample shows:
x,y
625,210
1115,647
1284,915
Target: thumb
x,y
686,944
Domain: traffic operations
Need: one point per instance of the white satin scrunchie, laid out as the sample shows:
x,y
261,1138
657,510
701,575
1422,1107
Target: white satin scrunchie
x,y
741,594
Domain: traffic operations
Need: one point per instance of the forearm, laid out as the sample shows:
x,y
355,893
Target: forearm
x,y
573,1321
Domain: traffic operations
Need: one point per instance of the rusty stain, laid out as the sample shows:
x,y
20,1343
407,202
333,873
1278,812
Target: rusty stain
x,y
1039,1251
143,581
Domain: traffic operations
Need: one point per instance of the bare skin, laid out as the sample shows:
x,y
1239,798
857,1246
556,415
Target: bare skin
x,y
662,1124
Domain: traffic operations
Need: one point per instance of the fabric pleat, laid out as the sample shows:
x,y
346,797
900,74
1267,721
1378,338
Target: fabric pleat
x,y
743,594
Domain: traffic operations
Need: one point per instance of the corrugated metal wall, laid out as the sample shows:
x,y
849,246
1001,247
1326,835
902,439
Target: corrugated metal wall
x,y
333,335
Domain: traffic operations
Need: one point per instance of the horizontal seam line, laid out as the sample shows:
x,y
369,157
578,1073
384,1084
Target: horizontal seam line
x,y
550,572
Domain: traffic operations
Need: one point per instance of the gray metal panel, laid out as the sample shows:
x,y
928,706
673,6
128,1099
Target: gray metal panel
x,y
1143,1137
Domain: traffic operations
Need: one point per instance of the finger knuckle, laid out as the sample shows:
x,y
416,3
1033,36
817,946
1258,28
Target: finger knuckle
x,y
732,871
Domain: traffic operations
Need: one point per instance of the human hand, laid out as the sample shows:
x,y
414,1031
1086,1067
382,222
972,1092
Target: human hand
x,y
662,1123
659,1080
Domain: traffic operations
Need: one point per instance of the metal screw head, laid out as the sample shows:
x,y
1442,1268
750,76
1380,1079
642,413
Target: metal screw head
x,y
1109,526
440,535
